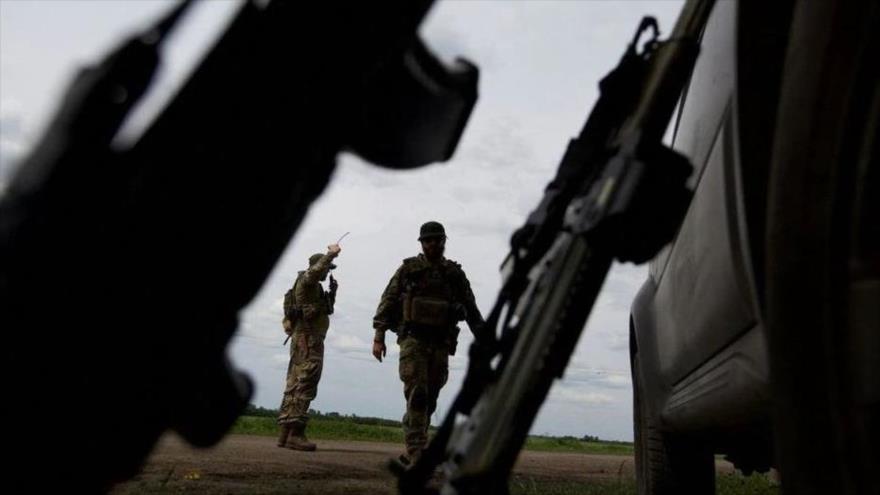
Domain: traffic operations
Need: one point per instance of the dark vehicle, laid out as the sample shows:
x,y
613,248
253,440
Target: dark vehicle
x,y
757,333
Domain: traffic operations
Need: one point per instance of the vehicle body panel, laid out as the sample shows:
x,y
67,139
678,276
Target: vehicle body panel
x,y
695,322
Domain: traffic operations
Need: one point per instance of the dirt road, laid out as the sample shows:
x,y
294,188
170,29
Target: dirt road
x,y
253,464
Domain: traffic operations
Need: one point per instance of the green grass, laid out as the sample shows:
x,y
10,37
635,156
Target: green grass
x,y
734,484
725,485
570,444
324,429
343,428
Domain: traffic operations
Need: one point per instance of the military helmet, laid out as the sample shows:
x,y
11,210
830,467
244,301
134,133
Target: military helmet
x,y
431,229
317,256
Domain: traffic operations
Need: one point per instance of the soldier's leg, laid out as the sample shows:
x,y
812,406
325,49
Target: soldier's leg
x,y
308,368
414,374
286,415
438,373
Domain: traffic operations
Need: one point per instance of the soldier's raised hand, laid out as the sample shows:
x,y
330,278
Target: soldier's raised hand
x,y
334,249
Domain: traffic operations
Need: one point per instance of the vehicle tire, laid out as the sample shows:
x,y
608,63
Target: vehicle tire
x,y
666,464
823,252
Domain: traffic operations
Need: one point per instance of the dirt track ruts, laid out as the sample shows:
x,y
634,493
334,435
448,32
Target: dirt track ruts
x,y
253,464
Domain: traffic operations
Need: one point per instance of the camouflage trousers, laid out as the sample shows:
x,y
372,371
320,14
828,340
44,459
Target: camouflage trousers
x,y
303,375
424,368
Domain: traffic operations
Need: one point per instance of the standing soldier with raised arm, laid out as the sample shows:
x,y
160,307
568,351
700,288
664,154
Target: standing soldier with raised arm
x,y
425,299
306,320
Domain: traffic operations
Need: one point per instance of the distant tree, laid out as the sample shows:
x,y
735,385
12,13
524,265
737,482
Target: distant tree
x,y
252,410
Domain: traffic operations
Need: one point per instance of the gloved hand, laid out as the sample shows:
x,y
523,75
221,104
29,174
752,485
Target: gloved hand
x,y
379,349
459,312
288,327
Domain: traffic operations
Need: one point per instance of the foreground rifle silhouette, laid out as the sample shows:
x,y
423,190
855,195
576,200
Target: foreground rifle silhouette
x,y
123,268
618,193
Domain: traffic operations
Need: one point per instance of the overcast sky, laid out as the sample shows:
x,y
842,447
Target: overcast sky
x,y
540,63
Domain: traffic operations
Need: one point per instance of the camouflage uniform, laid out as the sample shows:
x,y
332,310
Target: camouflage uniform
x,y
313,306
424,348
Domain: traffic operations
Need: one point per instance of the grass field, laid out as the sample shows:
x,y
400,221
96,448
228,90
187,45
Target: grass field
x,y
322,428
730,484
347,429
569,444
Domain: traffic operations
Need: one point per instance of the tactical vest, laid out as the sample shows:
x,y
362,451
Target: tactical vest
x,y
429,293
313,299
317,298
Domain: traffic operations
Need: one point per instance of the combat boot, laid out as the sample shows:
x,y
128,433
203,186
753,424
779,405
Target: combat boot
x,y
414,456
285,432
410,457
297,440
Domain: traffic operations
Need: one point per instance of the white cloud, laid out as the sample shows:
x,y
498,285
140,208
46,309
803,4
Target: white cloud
x,y
14,138
280,358
580,397
345,343
599,377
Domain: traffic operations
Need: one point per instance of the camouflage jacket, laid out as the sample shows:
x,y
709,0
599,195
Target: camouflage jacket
x,y
311,301
448,281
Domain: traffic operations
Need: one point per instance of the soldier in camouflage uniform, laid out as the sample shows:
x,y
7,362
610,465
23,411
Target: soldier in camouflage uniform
x,y
306,321
423,302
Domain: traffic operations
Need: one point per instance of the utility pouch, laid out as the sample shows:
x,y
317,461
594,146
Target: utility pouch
x,y
429,311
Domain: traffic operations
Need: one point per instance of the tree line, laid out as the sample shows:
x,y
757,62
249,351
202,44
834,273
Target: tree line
x,y
253,410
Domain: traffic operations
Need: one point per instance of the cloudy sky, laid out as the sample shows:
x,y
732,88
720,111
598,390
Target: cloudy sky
x,y
540,63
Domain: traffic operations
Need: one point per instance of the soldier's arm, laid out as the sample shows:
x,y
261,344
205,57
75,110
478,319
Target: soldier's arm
x,y
310,279
312,276
474,317
389,309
